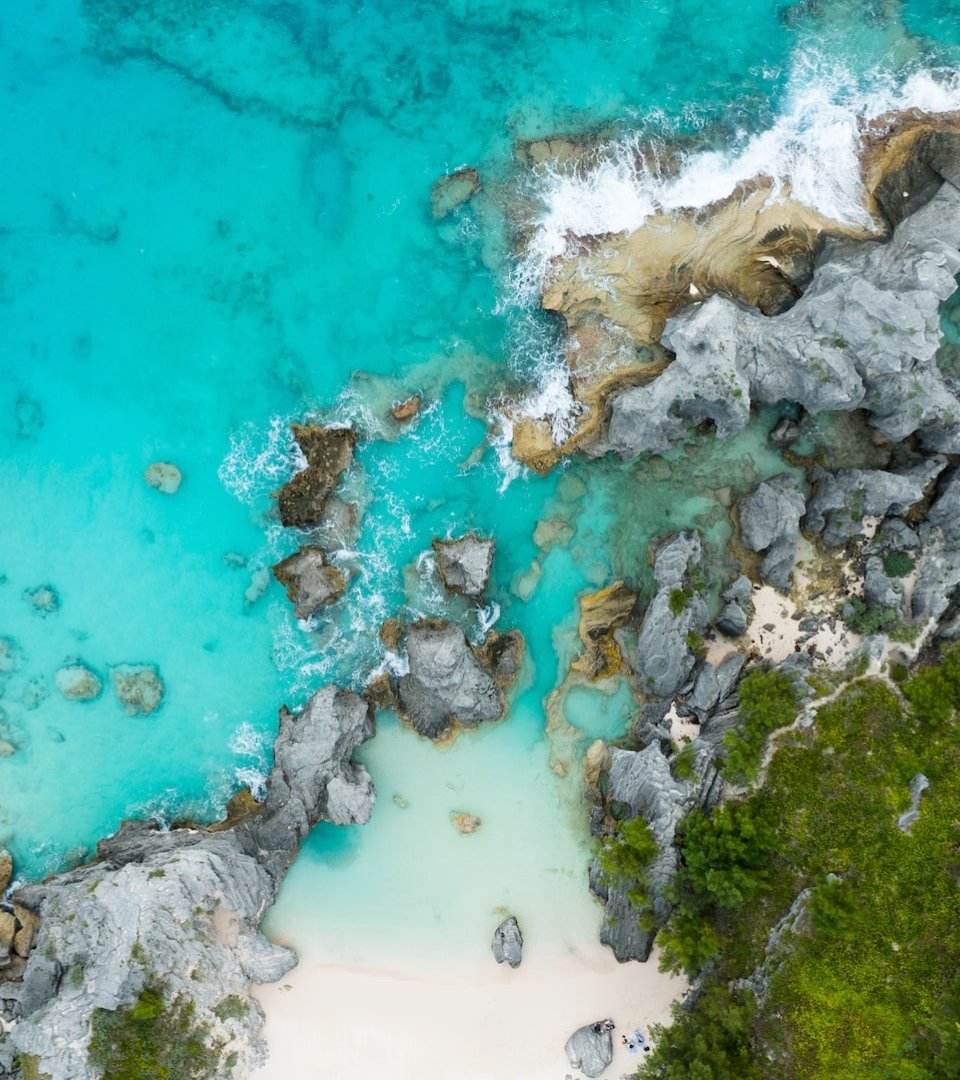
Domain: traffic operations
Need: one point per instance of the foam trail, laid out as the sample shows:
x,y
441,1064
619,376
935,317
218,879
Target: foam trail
x,y
812,149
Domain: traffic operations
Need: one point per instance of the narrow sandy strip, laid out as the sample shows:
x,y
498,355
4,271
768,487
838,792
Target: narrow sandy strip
x,y
474,1023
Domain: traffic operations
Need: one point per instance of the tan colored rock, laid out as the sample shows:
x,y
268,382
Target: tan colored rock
x,y
303,498
138,687
23,938
163,476
464,823
8,931
553,532
6,871
601,613
391,634
406,410
596,759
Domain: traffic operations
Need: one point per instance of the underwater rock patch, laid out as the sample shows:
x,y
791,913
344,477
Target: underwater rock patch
x,y
163,476
78,682
453,190
464,823
601,613
138,687
44,599
11,656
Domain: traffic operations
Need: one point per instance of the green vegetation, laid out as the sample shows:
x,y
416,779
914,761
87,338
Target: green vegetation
x,y
768,701
679,598
625,857
867,982
232,1007
29,1066
152,1038
864,620
683,763
897,564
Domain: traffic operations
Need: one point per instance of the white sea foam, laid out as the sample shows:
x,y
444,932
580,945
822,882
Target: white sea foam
x,y
811,148
254,779
260,459
249,742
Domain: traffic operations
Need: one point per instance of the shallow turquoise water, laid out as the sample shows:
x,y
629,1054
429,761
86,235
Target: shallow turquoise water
x,y
215,218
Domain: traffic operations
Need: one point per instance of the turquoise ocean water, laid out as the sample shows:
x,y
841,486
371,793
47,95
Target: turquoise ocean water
x,y
214,218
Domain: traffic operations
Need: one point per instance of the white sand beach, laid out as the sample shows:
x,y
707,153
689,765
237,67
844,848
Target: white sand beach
x,y
478,1022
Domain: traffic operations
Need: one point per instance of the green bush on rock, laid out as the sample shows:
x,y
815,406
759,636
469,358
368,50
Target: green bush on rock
x,y
768,701
624,857
152,1038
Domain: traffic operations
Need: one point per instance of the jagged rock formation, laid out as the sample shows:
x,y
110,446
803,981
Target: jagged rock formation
x,y
770,523
180,909
862,334
677,612
939,567
507,942
303,498
732,620
450,684
453,190
843,498
464,564
309,581
601,613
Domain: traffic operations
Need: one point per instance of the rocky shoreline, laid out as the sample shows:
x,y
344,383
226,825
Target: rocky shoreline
x,y
822,322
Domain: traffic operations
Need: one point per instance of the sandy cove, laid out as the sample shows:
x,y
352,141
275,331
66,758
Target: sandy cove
x,y
473,1021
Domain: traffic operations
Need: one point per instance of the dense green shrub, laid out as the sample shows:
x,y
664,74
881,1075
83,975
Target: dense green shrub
x,y
862,619
152,1038
679,598
768,701
897,564
624,857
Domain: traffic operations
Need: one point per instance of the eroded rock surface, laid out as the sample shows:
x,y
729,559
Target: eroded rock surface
x,y
590,1049
138,687
309,581
770,523
464,564
181,909
507,943
601,613
303,498
77,682
453,190
450,684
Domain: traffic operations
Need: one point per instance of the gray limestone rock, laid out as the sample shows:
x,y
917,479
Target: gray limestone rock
x,y
464,564
882,591
309,581
864,335
507,942
770,523
732,620
938,571
665,659
181,908
590,1049
446,684
842,499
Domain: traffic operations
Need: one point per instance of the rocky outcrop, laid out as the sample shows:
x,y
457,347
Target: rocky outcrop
x,y
842,499
138,687
309,581
464,564
678,612
453,190
601,613
590,1049
164,477
407,409
507,943
180,909
770,523
328,452
938,572
863,335
449,684
733,619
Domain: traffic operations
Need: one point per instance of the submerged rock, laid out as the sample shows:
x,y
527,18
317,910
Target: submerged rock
x,y
44,599
309,581
507,942
590,1049
77,682
770,523
180,909
464,823
302,499
464,564
163,476
453,190
138,687
450,684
